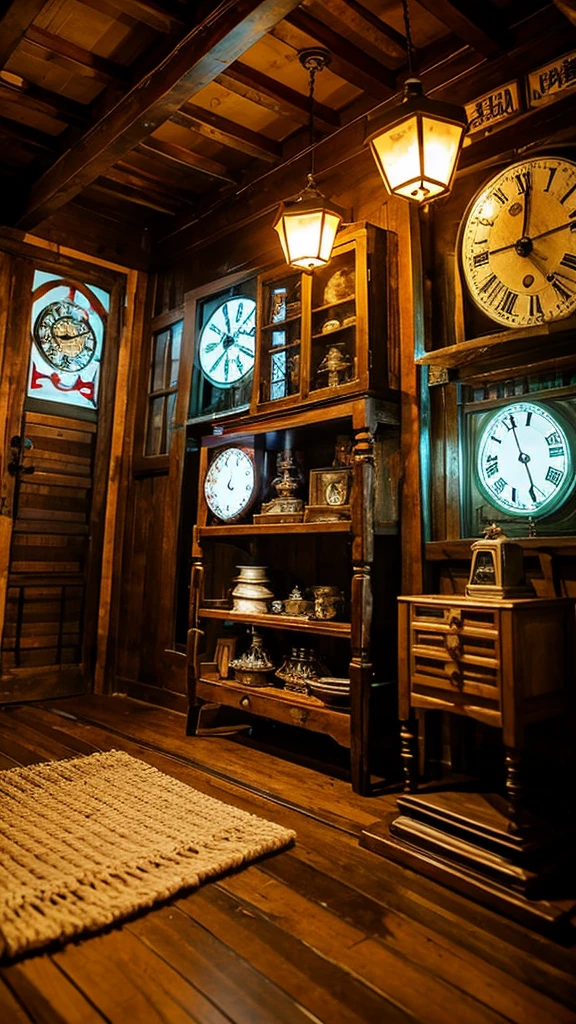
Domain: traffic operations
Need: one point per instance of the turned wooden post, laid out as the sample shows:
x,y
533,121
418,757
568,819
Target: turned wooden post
x,y
361,602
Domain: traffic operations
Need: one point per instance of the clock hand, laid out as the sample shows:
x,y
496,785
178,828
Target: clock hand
x,y
543,234
242,348
226,317
229,485
218,361
526,216
524,459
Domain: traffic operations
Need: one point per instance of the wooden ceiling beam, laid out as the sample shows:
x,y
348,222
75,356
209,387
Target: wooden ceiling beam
x,y
166,18
348,61
134,195
475,23
273,95
45,102
29,136
227,133
79,59
15,22
231,27
196,162
150,186
361,21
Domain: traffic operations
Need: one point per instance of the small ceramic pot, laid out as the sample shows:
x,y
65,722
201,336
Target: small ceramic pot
x,y
328,602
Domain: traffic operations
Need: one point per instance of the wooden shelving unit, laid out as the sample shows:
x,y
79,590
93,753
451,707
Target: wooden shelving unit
x,y
308,418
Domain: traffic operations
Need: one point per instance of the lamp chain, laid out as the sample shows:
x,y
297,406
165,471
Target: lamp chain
x,y
312,72
409,46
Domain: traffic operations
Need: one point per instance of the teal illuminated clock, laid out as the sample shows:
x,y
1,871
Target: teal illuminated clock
x,y
525,459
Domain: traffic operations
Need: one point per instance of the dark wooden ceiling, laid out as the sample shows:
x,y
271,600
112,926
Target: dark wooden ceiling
x,y
154,112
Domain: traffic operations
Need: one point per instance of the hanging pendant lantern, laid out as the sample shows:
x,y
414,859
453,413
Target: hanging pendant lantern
x,y
308,223
417,144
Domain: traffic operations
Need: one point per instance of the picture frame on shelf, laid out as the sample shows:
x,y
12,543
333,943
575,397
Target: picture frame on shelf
x,y
329,495
224,653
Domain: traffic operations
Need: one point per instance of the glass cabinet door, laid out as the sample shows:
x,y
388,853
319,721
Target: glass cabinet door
x,y
281,338
333,348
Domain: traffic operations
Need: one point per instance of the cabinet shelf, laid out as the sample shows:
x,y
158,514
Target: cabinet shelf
x,y
506,350
334,330
332,305
257,529
291,622
277,325
290,708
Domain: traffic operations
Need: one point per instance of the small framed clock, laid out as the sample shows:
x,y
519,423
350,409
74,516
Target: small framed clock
x,y
224,353
518,244
231,483
521,466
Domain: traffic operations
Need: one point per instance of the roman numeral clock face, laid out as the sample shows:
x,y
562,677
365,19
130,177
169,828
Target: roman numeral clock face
x,y
518,243
524,460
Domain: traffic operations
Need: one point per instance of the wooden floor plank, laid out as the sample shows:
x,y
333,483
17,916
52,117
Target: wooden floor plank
x,y
243,992
322,986
323,932
127,982
10,1009
411,988
47,993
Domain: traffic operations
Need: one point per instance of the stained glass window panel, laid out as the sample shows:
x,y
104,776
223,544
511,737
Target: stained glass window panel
x,y
68,326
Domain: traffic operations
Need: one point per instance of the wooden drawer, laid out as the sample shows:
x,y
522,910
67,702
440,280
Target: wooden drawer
x,y
455,651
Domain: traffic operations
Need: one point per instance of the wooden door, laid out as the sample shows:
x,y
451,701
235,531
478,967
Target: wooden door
x,y
57,425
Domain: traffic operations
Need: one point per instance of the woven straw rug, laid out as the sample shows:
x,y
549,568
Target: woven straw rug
x,y
89,841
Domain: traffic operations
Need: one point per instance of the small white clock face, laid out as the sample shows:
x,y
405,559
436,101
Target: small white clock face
x,y
518,243
524,461
230,483
226,345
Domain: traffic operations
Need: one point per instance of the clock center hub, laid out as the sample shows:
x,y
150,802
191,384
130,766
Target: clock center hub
x,y
227,340
523,458
524,246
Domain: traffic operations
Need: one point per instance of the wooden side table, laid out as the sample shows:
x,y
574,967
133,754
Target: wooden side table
x,y
506,663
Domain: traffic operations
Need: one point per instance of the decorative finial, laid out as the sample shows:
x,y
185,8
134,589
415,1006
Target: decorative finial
x,y
493,531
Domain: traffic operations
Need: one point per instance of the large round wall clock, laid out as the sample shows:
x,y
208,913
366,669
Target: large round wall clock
x,y
230,483
518,243
64,336
226,343
524,460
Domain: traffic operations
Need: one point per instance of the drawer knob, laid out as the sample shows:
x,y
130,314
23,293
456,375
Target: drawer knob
x,y
454,619
245,702
453,645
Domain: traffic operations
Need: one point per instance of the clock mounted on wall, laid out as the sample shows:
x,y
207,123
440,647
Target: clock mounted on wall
x,y
63,333
521,456
224,351
518,243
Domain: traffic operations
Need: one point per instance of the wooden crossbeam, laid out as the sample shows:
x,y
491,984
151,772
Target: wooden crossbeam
x,y
29,136
363,22
197,162
130,194
16,20
80,60
195,61
273,95
165,18
348,61
42,100
146,184
475,23
227,133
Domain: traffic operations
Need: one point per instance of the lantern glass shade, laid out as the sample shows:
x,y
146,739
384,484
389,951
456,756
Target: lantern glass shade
x,y
417,150
307,229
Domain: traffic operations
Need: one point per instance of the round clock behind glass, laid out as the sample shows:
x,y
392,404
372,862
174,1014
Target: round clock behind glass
x,y
518,243
64,336
230,483
226,344
524,460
